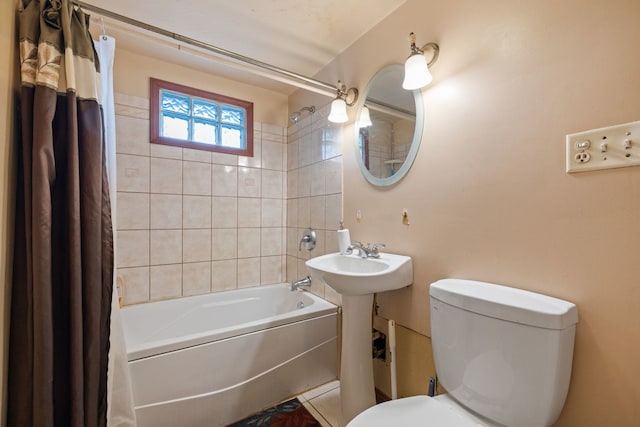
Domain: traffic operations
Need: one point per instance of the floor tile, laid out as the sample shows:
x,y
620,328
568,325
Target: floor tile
x,y
308,395
328,405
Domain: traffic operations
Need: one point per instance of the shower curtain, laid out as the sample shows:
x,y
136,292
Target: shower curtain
x,y
120,412
63,269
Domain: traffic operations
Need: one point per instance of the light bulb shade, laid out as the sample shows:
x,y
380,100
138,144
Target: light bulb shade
x,y
338,113
365,119
416,72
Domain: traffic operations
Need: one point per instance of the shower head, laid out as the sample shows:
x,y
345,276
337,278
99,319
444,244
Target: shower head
x,y
295,116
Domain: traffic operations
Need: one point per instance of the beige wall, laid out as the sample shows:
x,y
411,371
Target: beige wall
x,y
132,72
7,170
488,198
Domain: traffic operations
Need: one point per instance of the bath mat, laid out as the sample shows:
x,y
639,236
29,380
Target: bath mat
x,y
288,414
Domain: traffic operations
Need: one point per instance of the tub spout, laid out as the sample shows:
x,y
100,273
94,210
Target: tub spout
x,y
306,282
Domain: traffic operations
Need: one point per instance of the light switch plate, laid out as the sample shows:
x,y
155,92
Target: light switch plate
x,y
605,148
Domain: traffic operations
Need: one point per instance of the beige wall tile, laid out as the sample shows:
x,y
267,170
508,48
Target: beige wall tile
x,y
196,245
133,248
292,184
132,135
224,275
271,268
193,155
196,278
292,156
333,211
166,176
332,140
224,212
133,173
292,212
197,178
132,211
317,212
272,155
272,213
165,281
196,212
271,241
224,243
318,186
249,242
248,272
136,284
166,247
304,212
254,161
165,151
249,182
272,184
304,149
224,159
249,212
304,181
165,211
224,180
291,269
333,175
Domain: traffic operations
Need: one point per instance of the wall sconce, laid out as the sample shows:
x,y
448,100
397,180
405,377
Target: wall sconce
x,y
365,119
416,67
338,113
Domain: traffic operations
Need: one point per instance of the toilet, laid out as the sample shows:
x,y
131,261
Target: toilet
x,y
502,354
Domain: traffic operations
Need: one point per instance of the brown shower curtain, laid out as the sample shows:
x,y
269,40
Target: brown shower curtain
x,y
61,297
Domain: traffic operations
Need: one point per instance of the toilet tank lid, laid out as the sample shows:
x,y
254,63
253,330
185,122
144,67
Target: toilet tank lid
x,y
506,303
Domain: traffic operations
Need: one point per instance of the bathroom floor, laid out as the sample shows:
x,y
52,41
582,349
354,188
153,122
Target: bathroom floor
x,y
323,403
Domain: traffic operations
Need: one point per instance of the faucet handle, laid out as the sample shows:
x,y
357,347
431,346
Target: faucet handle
x,y
374,249
356,244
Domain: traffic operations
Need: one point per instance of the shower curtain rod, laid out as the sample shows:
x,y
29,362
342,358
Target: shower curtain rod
x,y
299,80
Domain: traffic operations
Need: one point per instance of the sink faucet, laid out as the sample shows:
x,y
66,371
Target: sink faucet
x,y
306,282
368,252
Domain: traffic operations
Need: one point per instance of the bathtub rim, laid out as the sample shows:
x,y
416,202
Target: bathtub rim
x,y
319,308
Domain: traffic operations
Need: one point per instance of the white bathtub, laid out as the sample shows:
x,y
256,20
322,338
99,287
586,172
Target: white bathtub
x,y
213,359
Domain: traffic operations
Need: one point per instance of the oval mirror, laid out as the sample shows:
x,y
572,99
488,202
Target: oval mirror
x,y
388,127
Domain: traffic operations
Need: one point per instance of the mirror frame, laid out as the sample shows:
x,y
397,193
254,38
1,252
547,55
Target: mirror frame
x,y
415,142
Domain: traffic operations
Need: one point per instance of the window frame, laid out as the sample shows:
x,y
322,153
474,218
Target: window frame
x,y
155,110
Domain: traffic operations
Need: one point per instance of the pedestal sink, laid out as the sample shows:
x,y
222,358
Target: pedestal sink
x,y
357,279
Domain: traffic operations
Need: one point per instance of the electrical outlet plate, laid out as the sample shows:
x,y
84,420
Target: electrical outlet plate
x,y
605,148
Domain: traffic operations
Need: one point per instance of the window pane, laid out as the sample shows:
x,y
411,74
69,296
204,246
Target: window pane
x,y
204,131
232,115
204,109
174,102
232,137
175,127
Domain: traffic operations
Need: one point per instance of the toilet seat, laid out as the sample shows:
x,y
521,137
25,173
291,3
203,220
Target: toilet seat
x,y
416,410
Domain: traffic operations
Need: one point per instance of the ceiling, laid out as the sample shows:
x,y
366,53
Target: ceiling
x,y
301,36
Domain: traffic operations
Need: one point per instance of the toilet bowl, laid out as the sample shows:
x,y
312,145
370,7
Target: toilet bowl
x,y
503,355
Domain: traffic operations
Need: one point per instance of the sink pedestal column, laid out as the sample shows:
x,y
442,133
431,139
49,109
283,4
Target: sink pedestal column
x,y
356,370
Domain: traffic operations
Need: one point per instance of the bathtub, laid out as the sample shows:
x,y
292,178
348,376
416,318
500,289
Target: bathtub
x,y
213,359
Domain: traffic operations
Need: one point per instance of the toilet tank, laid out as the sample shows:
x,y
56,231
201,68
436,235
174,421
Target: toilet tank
x,y
502,352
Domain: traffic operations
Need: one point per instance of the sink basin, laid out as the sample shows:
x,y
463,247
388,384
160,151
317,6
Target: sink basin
x,y
352,275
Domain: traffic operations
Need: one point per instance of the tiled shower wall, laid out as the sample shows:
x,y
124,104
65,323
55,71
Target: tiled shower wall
x,y
192,222
314,192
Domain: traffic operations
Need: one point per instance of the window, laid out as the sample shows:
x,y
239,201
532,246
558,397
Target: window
x,y
186,117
